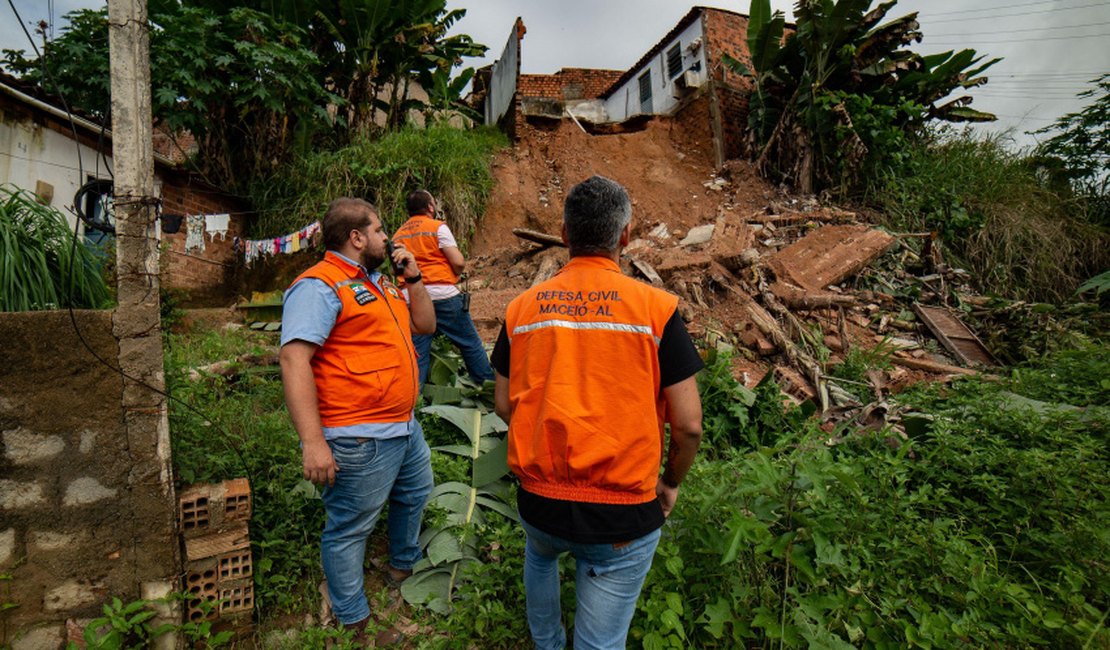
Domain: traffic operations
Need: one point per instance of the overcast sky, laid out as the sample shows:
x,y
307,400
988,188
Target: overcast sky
x,y
1050,48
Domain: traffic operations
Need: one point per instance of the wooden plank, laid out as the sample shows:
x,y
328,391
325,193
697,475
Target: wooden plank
x,y
931,366
954,335
538,237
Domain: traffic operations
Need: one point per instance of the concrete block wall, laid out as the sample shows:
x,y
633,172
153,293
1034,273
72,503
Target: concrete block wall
x,y
78,524
210,273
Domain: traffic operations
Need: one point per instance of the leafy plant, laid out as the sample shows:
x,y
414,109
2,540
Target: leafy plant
x,y
41,266
838,98
1099,284
451,545
858,362
247,87
129,625
1078,153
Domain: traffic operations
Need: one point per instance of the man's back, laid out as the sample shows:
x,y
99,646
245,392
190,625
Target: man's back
x,y
585,381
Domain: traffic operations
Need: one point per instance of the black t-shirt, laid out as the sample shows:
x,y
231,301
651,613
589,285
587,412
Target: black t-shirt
x,y
603,523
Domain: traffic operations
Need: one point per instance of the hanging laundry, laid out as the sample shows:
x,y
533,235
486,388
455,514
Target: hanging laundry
x,y
216,225
304,238
194,234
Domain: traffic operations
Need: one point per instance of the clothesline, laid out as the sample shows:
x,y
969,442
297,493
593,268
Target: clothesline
x,y
293,242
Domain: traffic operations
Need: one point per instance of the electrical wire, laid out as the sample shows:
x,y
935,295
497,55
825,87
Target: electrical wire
x,y
928,17
1026,40
226,437
1030,29
997,7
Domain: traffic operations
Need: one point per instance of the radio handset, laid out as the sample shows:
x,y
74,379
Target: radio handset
x,y
398,269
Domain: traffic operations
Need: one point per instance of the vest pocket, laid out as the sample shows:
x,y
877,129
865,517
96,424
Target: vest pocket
x,y
377,370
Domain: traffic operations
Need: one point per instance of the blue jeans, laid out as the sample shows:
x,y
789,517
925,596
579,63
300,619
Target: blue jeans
x,y
608,582
454,322
397,470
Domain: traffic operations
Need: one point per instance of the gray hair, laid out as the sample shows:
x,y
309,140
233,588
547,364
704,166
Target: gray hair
x,y
595,213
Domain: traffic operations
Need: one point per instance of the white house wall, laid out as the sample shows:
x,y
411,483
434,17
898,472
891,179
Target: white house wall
x,y
625,101
30,153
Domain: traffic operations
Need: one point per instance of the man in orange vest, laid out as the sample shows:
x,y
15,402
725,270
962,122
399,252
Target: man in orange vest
x,y
589,365
441,262
349,371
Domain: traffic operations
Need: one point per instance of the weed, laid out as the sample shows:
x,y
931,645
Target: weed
x,y
858,362
996,217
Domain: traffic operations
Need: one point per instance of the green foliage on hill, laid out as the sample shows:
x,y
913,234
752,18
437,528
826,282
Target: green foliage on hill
x,y
453,164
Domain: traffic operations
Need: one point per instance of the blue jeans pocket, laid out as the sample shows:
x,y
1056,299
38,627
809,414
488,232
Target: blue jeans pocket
x,y
353,454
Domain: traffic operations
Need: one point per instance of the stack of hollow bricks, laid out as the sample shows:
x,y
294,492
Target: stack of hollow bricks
x,y
213,520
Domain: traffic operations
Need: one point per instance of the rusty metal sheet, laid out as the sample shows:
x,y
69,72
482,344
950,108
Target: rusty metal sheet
x,y
954,335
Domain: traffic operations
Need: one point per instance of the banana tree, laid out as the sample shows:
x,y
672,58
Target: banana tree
x,y
450,547
841,92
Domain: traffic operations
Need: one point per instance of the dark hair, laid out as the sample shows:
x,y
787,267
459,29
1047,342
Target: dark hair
x,y
343,216
595,213
419,202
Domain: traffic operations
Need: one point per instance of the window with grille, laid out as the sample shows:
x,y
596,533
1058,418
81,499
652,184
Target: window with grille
x,y
645,92
674,61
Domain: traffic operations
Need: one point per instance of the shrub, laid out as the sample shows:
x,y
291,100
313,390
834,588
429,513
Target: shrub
x,y
41,265
451,163
996,218
987,530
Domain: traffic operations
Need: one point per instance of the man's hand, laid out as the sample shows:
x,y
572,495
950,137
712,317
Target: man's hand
x,y
404,258
319,464
667,496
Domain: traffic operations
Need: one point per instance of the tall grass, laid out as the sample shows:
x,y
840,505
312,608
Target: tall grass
x,y
40,267
453,164
997,218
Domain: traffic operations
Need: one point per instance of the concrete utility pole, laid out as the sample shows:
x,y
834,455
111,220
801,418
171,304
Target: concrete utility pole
x,y
136,322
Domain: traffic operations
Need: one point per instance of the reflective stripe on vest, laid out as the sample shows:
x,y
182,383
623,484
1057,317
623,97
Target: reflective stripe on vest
x,y
366,369
420,234
584,384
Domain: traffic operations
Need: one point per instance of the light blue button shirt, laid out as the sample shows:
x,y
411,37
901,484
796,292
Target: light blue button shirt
x,y
308,314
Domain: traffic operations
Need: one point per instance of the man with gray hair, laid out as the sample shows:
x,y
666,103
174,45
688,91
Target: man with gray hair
x,y
589,365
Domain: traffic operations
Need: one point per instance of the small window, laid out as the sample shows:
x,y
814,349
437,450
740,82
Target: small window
x,y
674,61
645,92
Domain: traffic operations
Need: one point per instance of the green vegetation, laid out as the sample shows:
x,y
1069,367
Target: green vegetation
x,y
842,95
985,527
1077,156
41,267
257,82
995,215
453,164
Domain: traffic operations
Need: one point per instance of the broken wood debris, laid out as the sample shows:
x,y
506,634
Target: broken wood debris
x,y
954,335
828,255
541,238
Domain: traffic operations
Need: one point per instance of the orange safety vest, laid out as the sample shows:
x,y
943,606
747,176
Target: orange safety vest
x,y
366,369
419,235
587,409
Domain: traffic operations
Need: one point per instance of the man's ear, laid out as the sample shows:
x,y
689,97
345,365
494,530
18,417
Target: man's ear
x,y
563,232
626,234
